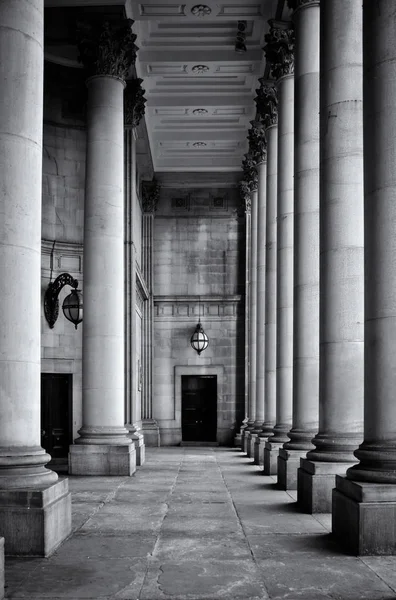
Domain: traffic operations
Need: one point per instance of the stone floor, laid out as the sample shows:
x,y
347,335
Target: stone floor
x,y
196,524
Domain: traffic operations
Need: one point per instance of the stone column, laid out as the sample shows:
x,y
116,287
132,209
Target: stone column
x,y
246,206
104,447
306,243
364,503
267,109
133,112
150,198
250,434
35,508
341,255
279,51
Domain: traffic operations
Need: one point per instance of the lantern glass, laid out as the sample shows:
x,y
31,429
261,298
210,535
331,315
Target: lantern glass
x,y
73,307
199,340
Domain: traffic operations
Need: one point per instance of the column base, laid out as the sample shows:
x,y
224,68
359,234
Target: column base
x,y
252,441
364,515
271,452
288,465
35,522
259,450
315,482
138,439
151,433
247,442
102,459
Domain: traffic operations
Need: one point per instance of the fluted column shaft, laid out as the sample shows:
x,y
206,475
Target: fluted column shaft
x,y
341,255
285,243
270,277
22,459
260,312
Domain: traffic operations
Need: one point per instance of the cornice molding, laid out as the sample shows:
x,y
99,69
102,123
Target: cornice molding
x,y
267,103
279,49
106,49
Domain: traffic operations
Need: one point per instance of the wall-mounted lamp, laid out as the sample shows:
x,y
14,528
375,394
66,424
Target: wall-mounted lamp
x,y
199,340
72,305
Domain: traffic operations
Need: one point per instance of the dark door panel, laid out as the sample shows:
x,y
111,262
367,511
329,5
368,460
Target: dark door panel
x,y
56,415
199,408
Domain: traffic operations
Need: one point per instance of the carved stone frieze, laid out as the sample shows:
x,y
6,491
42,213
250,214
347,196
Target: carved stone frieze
x,y
150,195
134,102
267,103
106,48
279,50
257,141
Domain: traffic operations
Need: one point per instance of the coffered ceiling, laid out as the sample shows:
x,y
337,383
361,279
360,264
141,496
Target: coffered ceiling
x,y
200,78
200,90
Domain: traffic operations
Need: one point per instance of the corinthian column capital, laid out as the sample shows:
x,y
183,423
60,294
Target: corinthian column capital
x,y
150,195
257,142
107,49
279,49
267,103
134,102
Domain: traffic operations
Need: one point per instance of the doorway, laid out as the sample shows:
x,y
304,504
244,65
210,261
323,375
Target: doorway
x,y
199,408
56,416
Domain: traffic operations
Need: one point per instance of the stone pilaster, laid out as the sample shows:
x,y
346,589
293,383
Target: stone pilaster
x,y
30,524
133,112
279,51
341,256
364,503
150,198
104,447
306,244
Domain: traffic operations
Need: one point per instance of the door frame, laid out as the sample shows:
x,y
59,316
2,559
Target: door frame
x,y
217,370
69,404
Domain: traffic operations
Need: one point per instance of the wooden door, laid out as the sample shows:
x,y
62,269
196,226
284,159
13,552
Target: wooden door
x,y
199,408
56,415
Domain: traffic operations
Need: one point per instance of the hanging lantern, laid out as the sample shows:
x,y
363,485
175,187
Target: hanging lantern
x,y
199,340
73,307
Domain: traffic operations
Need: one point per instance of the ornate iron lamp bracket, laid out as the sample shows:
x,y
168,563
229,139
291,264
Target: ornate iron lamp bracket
x,y
51,302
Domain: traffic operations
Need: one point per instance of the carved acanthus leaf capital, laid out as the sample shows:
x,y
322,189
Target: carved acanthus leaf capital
x,y
250,172
150,195
257,141
267,103
134,102
246,196
107,49
279,50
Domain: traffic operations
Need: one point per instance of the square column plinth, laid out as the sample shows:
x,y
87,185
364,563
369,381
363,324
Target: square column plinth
x,y
35,522
288,465
246,447
252,441
245,441
315,483
140,448
102,459
364,516
259,450
271,452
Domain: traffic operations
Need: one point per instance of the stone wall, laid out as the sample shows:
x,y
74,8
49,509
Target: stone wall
x,y
198,272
